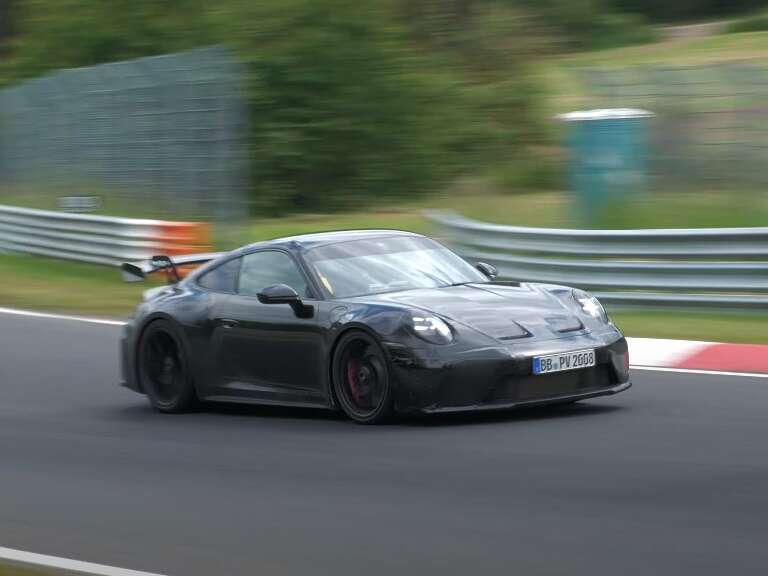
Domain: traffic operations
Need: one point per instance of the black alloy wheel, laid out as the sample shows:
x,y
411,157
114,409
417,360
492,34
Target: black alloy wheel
x,y
163,370
361,379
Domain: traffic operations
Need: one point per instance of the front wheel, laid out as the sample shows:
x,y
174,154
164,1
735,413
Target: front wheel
x,y
361,379
163,371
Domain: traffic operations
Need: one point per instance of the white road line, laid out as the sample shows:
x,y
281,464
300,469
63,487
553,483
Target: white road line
x,y
30,559
29,313
704,372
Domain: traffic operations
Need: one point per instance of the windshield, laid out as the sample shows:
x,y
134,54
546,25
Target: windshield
x,y
362,267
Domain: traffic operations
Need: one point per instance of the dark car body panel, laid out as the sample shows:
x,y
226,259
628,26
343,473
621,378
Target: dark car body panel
x,y
240,349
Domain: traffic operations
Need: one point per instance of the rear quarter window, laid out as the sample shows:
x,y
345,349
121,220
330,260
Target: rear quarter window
x,y
223,278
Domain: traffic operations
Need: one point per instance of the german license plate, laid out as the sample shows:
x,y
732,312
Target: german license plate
x,y
564,361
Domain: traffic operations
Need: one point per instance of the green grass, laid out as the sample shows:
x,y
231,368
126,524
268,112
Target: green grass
x,y
61,286
702,209
560,78
755,23
528,209
707,326
16,571
704,50
478,200
695,209
44,284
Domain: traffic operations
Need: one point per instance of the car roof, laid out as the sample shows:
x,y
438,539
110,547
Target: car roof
x,y
308,241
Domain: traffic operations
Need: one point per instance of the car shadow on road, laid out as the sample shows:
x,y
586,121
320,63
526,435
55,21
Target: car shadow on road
x,y
579,410
142,411
223,409
268,411
418,420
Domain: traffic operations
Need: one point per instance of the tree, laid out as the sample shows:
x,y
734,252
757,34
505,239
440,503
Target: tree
x,y
6,19
342,112
664,10
70,33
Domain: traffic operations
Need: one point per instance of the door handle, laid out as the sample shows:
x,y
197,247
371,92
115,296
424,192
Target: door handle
x,y
229,323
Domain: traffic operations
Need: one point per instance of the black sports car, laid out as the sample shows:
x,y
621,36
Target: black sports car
x,y
371,322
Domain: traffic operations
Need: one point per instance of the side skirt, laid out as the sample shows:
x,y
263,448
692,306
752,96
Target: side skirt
x,y
265,402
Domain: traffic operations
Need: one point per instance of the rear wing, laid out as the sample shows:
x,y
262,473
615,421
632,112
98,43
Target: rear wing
x,y
175,268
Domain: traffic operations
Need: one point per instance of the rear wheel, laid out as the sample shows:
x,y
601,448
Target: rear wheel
x,y
361,379
163,370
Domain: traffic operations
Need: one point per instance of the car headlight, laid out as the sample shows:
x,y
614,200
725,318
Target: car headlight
x,y
590,306
431,328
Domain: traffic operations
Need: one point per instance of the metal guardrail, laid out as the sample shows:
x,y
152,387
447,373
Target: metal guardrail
x,y
96,239
698,268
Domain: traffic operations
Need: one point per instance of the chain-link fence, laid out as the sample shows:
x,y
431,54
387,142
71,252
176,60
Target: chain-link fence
x,y
159,137
711,124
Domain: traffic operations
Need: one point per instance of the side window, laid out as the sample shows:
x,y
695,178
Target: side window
x,y
223,278
262,269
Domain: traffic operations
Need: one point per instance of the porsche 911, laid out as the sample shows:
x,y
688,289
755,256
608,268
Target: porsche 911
x,y
373,323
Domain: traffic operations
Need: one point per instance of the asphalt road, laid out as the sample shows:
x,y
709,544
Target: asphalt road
x,y
668,478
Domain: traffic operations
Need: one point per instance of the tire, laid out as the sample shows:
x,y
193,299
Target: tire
x,y
361,380
163,371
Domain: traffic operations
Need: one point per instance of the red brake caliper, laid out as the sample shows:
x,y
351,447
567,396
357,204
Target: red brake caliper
x,y
354,386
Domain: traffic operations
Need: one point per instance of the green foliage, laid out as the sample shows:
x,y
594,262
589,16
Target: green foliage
x,y
489,48
340,110
620,29
590,24
548,25
6,19
70,33
666,10
756,23
350,102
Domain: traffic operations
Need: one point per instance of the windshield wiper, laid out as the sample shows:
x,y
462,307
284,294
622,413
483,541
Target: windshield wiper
x,y
445,283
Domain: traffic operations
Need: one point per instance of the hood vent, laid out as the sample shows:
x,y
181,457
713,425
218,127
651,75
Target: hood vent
x,y
522,334
564,323
494,323
503,329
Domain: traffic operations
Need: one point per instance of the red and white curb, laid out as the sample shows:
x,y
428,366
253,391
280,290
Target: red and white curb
x,y
644,353
687,355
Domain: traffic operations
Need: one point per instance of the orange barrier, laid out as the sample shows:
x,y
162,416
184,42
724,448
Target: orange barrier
x,y
175,238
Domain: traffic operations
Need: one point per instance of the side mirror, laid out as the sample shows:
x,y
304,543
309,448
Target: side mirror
x,y
132,273
488,270
278,294
284,294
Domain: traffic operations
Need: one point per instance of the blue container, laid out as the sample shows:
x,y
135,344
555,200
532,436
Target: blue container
x,y
608,157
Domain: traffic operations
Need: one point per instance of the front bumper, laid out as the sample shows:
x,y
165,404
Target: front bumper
x,y
497,378
523,403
